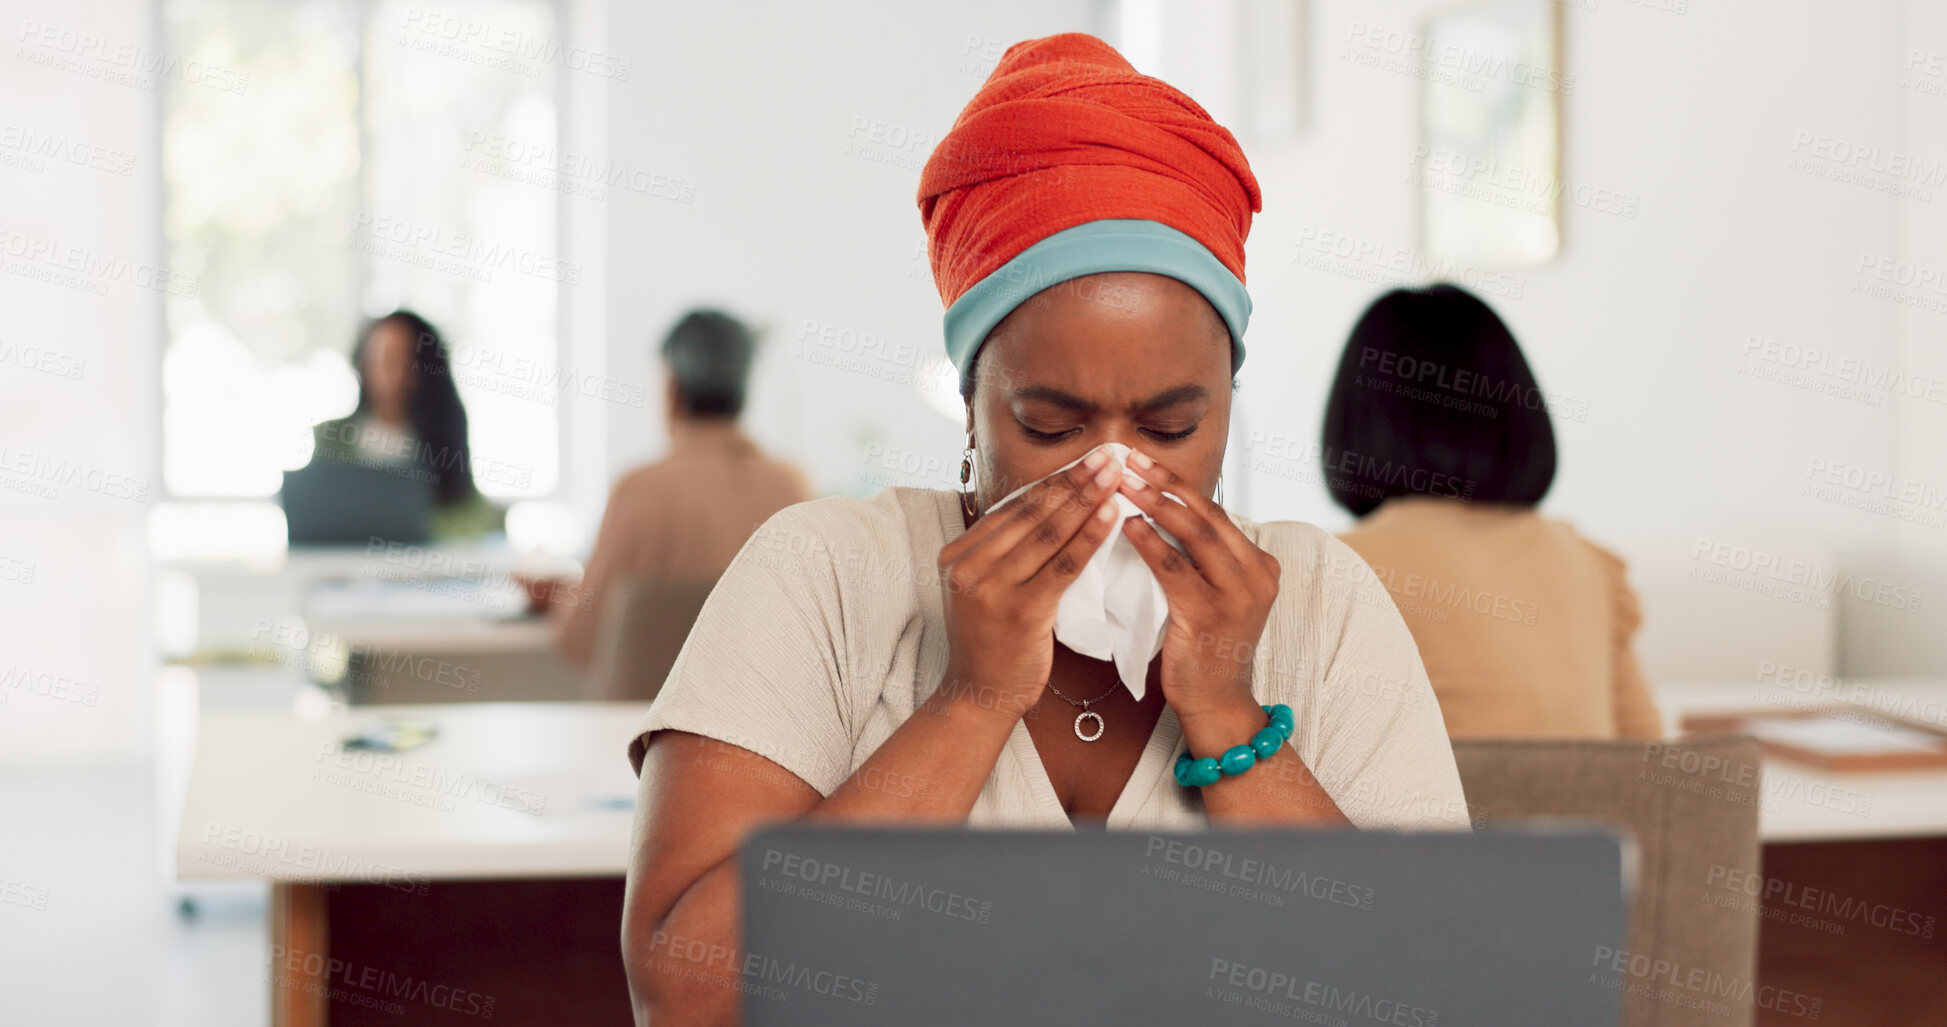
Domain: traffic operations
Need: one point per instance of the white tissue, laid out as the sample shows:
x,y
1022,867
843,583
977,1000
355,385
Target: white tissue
x,y
1115,609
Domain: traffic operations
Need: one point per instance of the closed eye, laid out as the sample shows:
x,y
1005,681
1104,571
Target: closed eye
x,y
1047,436
1170,436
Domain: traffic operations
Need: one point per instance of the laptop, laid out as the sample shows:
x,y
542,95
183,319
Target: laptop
x,y
332,502
887,926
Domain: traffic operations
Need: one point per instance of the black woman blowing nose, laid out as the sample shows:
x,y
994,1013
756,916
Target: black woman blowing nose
x,y
910,658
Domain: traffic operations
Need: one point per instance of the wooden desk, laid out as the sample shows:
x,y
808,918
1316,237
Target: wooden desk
x,y
1854,887
478,875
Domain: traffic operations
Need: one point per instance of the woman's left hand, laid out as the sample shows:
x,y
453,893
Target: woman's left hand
x,y
1220,594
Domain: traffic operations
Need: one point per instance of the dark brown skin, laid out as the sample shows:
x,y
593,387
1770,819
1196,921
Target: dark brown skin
x,y
1133,358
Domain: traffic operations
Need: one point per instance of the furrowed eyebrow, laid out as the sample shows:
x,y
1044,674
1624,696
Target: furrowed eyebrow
x,y
1068,401
1045,394
1171,397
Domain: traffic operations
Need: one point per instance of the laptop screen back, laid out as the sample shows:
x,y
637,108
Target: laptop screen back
x,y
1341,927
336,503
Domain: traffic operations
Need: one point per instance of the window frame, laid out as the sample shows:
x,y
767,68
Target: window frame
x,y
564,488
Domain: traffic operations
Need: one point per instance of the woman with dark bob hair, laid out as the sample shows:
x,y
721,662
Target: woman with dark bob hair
x,y
1438,438
908,658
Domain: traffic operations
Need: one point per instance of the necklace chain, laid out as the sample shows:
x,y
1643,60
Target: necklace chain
x,y
1085,704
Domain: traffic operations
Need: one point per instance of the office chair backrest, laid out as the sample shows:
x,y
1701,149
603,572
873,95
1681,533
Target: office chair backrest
x,y
644,624
1693,809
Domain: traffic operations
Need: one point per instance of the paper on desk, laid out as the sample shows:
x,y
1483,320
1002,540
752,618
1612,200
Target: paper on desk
x,y
1833,736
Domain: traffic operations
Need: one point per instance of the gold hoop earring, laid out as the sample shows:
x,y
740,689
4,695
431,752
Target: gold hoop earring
x,y
966,475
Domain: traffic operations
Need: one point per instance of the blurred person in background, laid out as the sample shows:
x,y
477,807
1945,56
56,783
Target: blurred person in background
x,y
1438,439
409,417
684,517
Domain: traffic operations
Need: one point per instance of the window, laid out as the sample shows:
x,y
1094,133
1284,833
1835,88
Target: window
x,y
361,156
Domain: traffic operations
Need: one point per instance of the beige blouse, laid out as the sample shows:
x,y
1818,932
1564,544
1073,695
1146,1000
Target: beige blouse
x,y
1524,625
828,630
682,518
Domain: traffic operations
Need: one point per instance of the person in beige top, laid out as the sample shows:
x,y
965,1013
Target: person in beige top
x,y
683,518
894,659
1437,436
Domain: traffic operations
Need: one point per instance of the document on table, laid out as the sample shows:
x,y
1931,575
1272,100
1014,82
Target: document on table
x,y
1838,737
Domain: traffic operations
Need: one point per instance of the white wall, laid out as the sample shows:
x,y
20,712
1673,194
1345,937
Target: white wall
x,y
1640,317
757,103
74,577
1643,319
1920,441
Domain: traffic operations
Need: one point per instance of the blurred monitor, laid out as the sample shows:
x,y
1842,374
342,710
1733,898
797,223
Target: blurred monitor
x,y
1512,927
334,503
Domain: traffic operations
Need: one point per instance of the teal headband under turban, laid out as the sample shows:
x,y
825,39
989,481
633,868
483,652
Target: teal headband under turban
x,y
1096,247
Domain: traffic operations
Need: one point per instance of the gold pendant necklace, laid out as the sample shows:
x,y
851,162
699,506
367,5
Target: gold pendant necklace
x,y
1086,713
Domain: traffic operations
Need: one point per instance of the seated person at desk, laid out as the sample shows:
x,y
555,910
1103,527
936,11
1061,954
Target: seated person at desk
x,y
684,517
895,659
1524,625
409,421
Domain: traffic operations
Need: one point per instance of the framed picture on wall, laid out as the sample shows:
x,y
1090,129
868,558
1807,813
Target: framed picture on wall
x,y
1488,164
1274,50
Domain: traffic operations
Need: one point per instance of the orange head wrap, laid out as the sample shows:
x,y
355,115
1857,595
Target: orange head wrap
x,y
1064,133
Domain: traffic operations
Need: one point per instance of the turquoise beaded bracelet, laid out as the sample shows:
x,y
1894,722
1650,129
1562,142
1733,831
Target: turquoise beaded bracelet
x,y
1191,773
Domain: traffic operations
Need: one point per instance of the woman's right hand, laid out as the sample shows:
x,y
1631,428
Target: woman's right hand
x,y
1004,577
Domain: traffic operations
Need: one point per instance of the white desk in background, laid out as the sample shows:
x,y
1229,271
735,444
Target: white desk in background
x,y
524,806
504,790
232,596
317,609
1803,803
